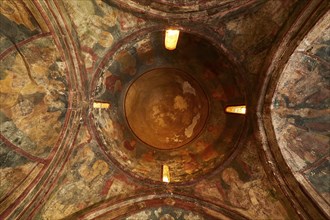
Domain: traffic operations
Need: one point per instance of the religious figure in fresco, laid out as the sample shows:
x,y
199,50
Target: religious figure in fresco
x,y
251,196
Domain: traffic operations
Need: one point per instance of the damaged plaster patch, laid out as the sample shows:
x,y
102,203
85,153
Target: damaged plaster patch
x,y
176,139
189,131
187,88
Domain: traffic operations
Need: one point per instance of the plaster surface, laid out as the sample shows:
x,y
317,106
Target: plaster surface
x,y
60,158
167,103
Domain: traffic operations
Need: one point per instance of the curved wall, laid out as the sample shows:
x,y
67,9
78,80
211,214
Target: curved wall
x,y
301,112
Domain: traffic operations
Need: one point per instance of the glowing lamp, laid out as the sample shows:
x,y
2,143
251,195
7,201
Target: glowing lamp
x,y
241,109
101,105
166,174
171,38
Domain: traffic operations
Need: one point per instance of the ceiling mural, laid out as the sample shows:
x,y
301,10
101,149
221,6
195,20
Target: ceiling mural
x,y
165,213
185,10
301,118
95,111
176,109
34,89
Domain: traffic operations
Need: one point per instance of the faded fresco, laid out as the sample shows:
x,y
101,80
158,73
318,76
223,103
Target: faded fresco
x,y
301,111
166,213
63,158
212,129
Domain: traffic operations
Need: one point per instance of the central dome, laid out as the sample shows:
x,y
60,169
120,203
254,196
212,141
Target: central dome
x,y
168,107
167,103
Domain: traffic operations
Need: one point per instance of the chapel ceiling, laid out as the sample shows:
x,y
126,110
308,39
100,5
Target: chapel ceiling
x,y
64,155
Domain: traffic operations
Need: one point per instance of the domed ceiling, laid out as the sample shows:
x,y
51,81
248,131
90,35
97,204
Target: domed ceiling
x,y
95,110
168,107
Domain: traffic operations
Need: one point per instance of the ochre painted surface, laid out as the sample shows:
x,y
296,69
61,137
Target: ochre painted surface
x,y
17,173
167,103
218,86
244,186
34,97
166,213
301,113
62,158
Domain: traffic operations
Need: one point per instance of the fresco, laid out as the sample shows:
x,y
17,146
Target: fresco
x,y
243,185
88,172
17,24
33,88
300,110
188,158
17,173
166,213
60,158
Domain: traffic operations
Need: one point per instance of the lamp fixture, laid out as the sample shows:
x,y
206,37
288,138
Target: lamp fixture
x,y
166,174
101,105
171,38
241,109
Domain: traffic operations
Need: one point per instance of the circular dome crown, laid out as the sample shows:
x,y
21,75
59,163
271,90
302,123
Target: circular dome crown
x,y
173,107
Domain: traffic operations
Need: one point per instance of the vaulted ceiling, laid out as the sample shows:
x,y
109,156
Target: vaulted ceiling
x,y
64,156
